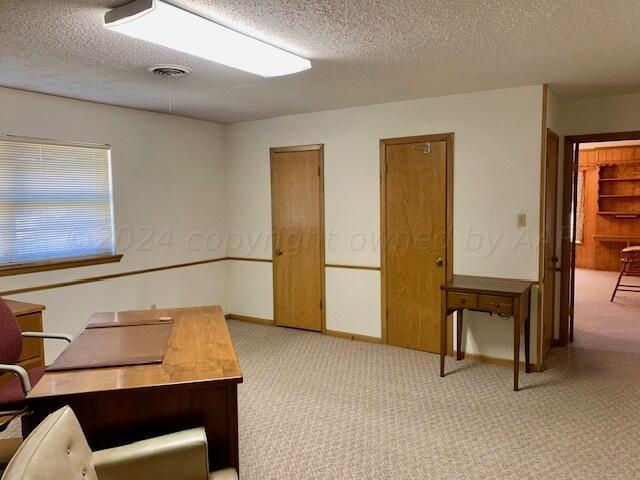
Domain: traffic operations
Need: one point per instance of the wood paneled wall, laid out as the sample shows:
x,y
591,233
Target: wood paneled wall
x,y
606,234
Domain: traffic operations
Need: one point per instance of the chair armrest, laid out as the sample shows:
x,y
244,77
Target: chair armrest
x,y
177,456
54,336
19,372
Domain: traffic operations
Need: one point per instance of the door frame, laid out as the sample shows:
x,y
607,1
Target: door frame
x,y
541,265
448,260
302,148
568,252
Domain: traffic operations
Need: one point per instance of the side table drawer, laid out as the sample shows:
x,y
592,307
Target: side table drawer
x,y
461,300
496,304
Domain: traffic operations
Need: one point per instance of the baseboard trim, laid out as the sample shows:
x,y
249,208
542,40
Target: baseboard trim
x,y
330,333
502,362
352,336
248,319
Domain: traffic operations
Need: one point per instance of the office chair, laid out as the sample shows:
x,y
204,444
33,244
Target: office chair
x,y
58,449
14,392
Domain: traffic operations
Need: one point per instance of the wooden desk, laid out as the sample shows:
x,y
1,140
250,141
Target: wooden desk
x,y
195,385
491,295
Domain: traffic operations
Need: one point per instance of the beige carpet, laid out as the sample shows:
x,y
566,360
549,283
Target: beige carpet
x,y
316,407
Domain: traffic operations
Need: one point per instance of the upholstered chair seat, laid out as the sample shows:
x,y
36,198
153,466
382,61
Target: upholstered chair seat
x,y
57,449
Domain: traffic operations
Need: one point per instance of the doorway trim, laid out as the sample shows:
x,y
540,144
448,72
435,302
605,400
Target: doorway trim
x,y
440,137
568,252
302,148
547,132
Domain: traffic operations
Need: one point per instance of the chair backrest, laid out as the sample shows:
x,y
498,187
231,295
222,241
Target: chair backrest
x,y
56,449
11,338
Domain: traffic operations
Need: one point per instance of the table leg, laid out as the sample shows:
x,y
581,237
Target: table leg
x,y
527,341
459,355
516,349
443,332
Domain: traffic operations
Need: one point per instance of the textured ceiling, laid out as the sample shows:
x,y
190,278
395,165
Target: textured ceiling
x,y
363,52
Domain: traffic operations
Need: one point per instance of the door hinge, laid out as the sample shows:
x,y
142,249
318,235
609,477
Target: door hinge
x,y
319,172
320,304
387,313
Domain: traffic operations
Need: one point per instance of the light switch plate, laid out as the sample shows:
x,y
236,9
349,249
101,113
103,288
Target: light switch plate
x,y
522,220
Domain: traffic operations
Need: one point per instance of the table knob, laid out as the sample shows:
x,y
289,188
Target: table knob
x,y
497,305
463,301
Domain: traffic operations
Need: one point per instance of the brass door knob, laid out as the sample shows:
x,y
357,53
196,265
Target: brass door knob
x,y
439,262
279,252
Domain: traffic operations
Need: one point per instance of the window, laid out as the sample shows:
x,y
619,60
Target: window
x,y
55,204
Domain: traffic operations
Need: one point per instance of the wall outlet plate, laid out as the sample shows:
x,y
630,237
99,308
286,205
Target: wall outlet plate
x,y
522,220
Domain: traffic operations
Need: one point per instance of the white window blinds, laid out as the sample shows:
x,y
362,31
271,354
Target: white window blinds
x,y
55,201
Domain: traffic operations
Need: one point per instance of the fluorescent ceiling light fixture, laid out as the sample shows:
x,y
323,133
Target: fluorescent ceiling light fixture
x,y
161,23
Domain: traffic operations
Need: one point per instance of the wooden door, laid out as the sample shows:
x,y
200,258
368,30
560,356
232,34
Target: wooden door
x,y
549,242
298,236
415,239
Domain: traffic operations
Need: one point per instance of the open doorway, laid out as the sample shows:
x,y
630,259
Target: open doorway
x,y
600,279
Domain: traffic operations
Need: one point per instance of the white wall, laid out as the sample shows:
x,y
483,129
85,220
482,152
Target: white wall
x,y
204,182
168,177
601,115
496,176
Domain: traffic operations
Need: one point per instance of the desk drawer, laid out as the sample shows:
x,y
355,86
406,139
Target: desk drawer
x,y
462,300
495,304
31,347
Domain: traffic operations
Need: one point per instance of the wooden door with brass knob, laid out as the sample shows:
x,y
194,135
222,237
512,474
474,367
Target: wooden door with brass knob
x,y
297,211
415,179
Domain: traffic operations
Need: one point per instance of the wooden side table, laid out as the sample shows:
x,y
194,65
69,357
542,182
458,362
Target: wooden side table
x,y
504,297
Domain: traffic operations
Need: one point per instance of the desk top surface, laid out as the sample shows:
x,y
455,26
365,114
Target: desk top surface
x,y
23,308
487,285
199,351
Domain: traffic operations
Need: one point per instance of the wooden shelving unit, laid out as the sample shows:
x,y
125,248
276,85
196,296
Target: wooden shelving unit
x,y
619,190
610,205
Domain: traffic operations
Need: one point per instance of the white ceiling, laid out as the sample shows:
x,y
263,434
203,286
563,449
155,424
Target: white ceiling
x,y
363,52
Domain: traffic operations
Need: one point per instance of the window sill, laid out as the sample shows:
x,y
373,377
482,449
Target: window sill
x,y
21,268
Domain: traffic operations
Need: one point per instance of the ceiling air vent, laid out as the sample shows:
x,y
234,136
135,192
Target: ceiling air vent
x,y
171,71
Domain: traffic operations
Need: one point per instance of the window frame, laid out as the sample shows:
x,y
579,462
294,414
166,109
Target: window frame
x,y
9,269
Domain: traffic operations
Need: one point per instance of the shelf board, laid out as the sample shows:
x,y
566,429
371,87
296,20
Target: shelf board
x,y
621,214
620,196
620,179
615,238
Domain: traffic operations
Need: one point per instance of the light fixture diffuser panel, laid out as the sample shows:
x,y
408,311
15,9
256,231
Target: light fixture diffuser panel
x,y
161,23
